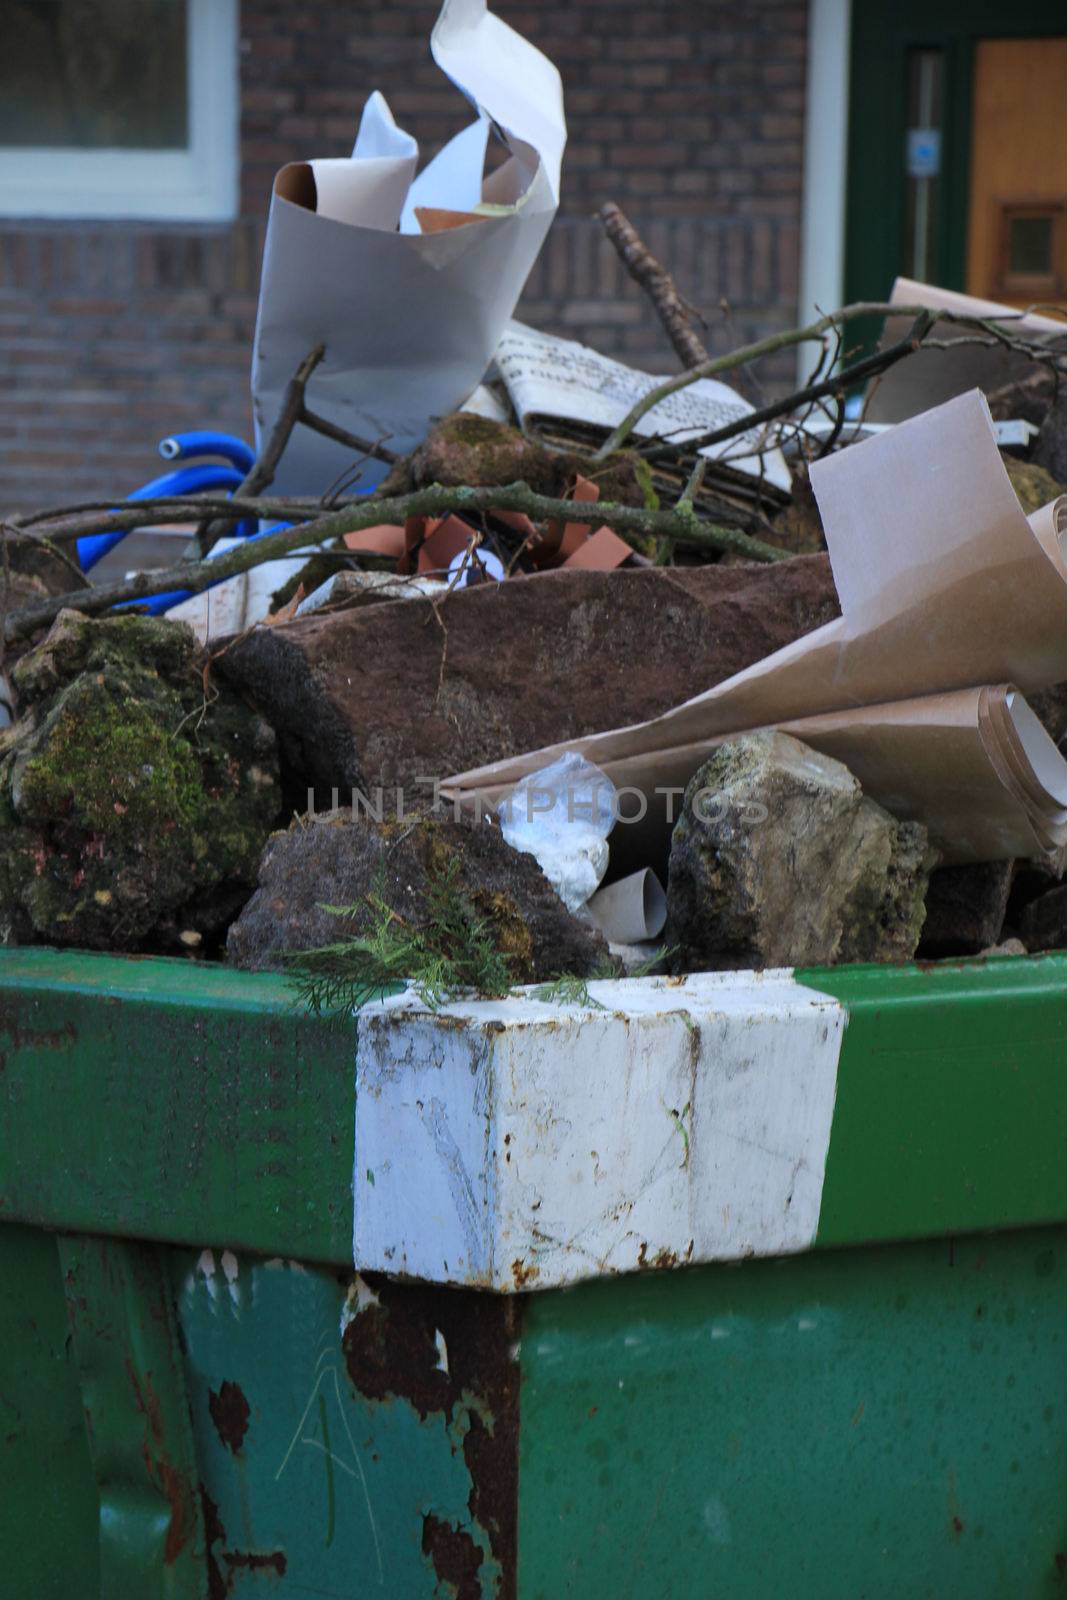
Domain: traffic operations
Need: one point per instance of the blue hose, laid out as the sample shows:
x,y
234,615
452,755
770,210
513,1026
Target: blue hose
x,y
204,442
186,480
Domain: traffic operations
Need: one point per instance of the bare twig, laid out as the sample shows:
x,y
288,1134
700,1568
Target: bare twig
x,y
997,330
682,527
64,524
261,472
879,362
656,281
696,479
747,379
330,430
832,437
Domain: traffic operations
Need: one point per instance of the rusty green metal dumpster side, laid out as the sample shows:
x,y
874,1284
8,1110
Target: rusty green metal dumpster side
x,y
201,1394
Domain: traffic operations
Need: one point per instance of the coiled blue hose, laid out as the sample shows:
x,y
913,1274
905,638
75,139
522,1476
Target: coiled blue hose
x,y
205,442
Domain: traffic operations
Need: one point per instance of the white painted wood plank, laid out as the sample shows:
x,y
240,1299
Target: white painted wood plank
x,y
517,1144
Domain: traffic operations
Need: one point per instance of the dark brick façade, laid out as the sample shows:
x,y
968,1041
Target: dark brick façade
x,y
690,115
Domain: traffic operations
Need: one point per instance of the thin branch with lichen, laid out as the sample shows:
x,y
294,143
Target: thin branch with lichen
x,y
682,526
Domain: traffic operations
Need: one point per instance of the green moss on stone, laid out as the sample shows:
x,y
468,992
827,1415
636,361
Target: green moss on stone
x,y
135,800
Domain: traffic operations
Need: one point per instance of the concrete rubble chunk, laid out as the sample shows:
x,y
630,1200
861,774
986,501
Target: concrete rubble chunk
x,y
778,859
335,860
369,588
1050,707
965,908
387,694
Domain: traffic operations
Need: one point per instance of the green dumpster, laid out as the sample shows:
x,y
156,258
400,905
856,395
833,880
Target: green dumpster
x,y
734,1286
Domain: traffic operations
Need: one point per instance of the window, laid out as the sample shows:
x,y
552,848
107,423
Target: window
x,y
1033,250
922,157
119,108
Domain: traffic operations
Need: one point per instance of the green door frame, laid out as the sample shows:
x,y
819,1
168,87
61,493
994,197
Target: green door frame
x,y
883,31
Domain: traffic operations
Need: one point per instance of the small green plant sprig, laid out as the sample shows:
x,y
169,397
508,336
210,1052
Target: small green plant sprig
x,y
451,950
570,990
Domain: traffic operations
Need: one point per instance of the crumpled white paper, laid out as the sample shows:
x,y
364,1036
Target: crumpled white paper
x,y
409,319
562,816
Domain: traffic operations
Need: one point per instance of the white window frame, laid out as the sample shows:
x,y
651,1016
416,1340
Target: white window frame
x,y
197,184
822,256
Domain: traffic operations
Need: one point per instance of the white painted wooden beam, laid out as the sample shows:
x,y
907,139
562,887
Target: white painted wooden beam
x,y
518,1144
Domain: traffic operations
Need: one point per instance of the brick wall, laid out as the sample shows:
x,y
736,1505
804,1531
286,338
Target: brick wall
x,y
690,115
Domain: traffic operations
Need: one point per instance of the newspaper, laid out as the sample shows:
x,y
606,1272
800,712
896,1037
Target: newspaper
x,y
548,378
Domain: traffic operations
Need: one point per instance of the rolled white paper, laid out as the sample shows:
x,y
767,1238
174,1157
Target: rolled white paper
x,y
632,910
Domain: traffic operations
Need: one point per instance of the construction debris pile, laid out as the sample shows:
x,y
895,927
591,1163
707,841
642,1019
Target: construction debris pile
x,y
503,663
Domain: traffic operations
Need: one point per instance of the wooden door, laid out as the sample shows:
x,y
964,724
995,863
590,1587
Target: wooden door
x,y
1011,151
1017,223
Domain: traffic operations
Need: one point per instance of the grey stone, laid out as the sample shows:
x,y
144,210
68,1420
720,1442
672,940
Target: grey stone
x,y
337,861
1027,398
1043,923
1008,947
965,908
778,859
1050,446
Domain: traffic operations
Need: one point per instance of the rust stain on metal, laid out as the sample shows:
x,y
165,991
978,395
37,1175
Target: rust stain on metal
x,y
662,1261
230,1412
251,1561
524,1272
176,1491
21,1037
455,1556
214,1533
219,1583
392,1350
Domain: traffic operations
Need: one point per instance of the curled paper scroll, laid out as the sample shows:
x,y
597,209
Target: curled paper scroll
x,y
631,910
409,315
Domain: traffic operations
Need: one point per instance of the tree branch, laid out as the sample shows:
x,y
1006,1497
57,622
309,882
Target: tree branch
x,y
879,361
680,526
652,276
330,430
995,329
261,472
67,523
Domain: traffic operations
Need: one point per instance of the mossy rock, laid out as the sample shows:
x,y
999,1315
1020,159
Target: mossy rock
x,y
463,450
337,860
798,527
135,795
1033,486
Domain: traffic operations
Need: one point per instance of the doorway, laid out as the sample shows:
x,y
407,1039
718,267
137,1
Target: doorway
x,y
957,170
